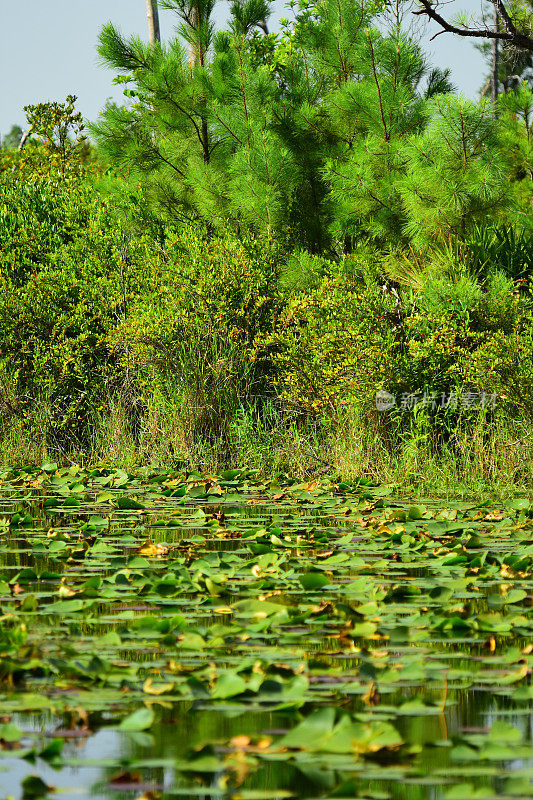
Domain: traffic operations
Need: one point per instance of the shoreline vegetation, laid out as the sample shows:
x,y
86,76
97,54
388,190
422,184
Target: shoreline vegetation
x,y
269,231
482,459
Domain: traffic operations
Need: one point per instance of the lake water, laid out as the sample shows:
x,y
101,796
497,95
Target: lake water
x,y
170,635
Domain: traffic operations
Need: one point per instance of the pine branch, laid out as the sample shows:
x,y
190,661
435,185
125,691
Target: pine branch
x,y
118,53
510,34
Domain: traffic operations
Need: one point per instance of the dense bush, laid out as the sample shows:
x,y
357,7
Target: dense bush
x,y
282,227
197,329
336,344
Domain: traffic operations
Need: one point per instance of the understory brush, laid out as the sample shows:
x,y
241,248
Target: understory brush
x,y
132,337
481,456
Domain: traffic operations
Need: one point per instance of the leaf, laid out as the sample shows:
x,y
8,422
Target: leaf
x,y
192,641
67,606
49,467
229,684
317,734
466,791
33,788
29,604
503,731
71,502
519,787
231,474
312,730
258,609
150,549
129,504
104,497
96,521
140,720
416,512
312,581
9,732
157,689
519,504
53,750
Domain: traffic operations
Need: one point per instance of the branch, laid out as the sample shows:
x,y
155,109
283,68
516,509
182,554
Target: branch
x,y
519,39
24,139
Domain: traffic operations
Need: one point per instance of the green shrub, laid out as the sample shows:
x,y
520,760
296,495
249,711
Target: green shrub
x,y
443,332
196,332
335,344
69,271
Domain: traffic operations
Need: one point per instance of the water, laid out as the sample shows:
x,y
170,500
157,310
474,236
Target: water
x,y
195,645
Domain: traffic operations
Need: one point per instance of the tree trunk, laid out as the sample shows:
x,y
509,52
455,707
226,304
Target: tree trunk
x,y
195,54
152,12
495,59
23,139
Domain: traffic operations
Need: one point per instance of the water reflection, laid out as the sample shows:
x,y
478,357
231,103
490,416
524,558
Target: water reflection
x,y
104,763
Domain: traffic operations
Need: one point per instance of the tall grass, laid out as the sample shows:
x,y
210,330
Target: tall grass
x,y
480,455
485,454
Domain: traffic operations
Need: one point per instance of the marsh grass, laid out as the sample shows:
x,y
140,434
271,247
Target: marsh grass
x,y
18,445
480,455
484,454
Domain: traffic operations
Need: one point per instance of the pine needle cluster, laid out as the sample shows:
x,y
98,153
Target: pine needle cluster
x,y
331,131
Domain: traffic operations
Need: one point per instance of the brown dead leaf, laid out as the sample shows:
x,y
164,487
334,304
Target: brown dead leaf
x,y
150,549
125,776
325,607
240,741
372,696
160,688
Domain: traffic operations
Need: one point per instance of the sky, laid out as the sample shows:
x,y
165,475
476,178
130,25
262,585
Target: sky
x,y
48,50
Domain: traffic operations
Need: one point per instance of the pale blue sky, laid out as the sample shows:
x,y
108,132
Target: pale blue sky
x,y
48,50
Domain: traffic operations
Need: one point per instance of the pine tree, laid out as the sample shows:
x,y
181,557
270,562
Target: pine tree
x,y
316,137
456,172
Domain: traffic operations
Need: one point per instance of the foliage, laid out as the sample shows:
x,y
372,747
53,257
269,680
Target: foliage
x,y
63,288
320,630
52,124
197,327
501,248
456,175
53,333
333,344
311,138
441,331
55,146
516,123
12,139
